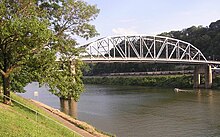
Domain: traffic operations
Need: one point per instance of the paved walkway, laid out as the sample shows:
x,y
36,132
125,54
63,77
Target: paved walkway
x,y
69,122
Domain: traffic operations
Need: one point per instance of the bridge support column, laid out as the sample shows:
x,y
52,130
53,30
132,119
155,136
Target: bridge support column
x,y
197,79
203,82
208,76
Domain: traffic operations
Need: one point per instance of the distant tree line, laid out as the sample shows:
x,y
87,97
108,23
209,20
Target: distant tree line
x,y
207,39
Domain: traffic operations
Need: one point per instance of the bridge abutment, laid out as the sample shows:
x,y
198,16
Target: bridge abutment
x,y
203,76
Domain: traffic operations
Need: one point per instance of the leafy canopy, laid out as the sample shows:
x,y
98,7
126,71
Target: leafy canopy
x,y
33,33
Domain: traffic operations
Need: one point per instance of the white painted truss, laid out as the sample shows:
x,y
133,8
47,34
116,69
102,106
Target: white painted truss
x,y
140,48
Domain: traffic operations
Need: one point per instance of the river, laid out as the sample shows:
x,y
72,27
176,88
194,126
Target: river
x,y
132,111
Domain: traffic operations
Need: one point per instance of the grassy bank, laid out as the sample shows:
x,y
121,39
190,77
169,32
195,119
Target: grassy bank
x,y
168,81
18,121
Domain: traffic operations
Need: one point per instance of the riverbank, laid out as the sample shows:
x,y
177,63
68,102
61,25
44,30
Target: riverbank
x,y
166,81
79,126
44,121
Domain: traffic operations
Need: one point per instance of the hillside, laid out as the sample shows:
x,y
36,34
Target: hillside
x,y
206,39
17,121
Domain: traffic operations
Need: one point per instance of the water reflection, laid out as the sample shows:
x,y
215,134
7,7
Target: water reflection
x,y
139,111
68,106
129,111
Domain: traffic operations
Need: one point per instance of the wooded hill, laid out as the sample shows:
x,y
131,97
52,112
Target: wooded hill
x,y
207,39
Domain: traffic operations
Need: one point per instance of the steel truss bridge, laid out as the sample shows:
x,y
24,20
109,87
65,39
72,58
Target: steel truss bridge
x,y
141,48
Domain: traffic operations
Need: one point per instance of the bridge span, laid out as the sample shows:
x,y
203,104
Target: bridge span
x,y
151,49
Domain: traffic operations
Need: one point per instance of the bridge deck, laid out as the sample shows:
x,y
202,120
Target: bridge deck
x,y
149,60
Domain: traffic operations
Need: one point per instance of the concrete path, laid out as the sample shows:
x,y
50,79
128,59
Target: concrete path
x,y
62,119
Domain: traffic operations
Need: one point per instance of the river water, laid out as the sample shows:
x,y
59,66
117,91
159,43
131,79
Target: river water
x,y
131,111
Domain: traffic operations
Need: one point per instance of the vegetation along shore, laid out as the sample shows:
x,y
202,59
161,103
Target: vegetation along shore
x,y
168,81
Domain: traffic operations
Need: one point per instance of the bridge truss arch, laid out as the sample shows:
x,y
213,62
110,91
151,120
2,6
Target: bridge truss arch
x,y
141,48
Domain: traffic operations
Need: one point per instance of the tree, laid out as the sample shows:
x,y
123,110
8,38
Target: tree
x,y
69,18
32,33
22,37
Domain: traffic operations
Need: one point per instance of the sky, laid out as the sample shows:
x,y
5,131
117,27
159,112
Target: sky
x,y
151,17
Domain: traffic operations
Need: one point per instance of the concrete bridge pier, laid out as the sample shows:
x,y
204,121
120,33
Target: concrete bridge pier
x,y
203,76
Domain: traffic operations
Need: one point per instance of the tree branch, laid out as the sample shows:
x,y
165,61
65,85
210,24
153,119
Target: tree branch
x,y
23,8
63,28
3,73
7,73
8,40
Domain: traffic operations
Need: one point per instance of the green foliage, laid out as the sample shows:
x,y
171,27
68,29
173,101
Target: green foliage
x,y
68,18
23,36
180,81
33,33
67,83
216,82
71,16
104,69
207,39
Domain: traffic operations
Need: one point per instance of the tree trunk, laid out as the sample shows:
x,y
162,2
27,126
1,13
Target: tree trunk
x,y
72,108
6,90
64,105
68,106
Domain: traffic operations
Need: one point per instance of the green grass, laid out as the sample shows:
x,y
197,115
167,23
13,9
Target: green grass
x,y
18,121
